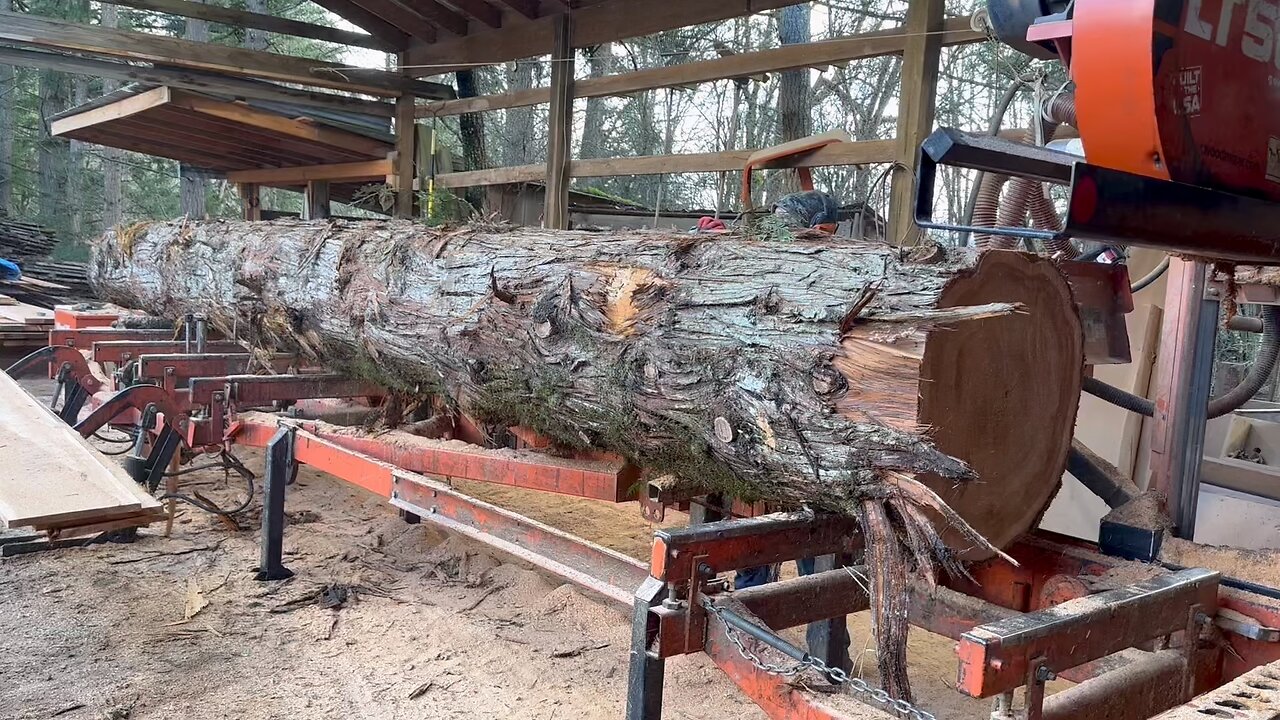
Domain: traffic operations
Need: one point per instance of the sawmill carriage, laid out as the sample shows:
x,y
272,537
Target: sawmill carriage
x,y
899,418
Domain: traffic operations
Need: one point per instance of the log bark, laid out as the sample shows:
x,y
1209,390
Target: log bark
x,y
816,372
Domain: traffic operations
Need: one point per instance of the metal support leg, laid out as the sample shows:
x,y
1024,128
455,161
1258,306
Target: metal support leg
x,y
828,640
158,460
72,402
410,518
280,463
644,681
1186,373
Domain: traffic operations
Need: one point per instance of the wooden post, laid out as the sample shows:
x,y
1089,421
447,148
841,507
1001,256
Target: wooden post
x,y
406,153
315,200
916,104
555,213
251,201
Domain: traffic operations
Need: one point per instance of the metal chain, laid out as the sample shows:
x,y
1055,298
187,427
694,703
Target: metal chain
x,y
836,675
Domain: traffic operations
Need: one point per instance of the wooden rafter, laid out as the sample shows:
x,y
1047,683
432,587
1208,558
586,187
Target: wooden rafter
x,y
602,22
480,10
366,20
527,8
407,20
437,14
816,54
917,100
191,80
270,23
23,29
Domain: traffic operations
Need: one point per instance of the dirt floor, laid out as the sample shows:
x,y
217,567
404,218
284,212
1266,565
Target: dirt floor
x,y
430,627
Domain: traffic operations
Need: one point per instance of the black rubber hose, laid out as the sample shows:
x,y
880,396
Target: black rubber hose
x,y
1086,470
1150,277
1229,401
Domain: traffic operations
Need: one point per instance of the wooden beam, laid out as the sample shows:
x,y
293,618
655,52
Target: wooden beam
x,y
191,80
527,8
311,132
480,10
438,15
403,18
23,29
855,153
791,57
369,170
116,110
315,200
555,211
917,103
250,201
602,22
270,23
366,20
406,154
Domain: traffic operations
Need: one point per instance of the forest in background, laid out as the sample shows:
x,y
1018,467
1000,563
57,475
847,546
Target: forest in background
x,y
78,189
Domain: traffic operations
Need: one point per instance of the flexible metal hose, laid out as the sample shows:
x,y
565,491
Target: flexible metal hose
x,y
1229,401
986,208
993,129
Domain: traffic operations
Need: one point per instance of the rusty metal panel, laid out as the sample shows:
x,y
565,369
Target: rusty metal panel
x,y
1252,696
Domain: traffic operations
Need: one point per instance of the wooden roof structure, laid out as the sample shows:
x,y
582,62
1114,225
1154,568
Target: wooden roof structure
x,y
433,37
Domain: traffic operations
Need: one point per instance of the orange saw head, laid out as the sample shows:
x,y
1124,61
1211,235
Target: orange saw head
x,y
1183,90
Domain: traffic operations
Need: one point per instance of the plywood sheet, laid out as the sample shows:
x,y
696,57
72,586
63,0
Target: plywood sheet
x,y
49,474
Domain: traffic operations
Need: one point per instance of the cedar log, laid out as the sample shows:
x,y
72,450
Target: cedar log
x,y
818,371
644,342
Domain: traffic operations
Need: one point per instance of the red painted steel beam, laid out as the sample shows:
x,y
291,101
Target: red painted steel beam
x,y
84,338
256,390
195,365
750,542
997,658
120,351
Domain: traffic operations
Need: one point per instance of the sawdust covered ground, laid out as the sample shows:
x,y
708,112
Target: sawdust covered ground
x,y
435,627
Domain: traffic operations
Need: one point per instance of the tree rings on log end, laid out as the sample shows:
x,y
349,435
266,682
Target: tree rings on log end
x,y
1001,394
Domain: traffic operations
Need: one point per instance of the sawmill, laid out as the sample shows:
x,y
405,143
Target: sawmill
x,y
999,426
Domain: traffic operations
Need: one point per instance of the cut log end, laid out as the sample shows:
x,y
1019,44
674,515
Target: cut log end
x,y
998,393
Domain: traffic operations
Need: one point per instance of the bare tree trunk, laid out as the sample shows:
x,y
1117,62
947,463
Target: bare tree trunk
x,y
517,124
75,163
192,186
793,87
599,64
52,161
471,128
112,158
8,89
255,39
785,379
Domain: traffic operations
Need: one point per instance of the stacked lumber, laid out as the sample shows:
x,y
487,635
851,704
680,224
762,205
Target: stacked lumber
x,y
23,326
21,241
71,275
53,480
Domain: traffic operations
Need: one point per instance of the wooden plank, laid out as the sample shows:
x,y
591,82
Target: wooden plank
x,y
1241,476
555,211
791,57
270,23
405,157
28,30
438,15
114,111
527,8
600,23
195,80
311,132
916,108
856,153
51,474
367,21
366,170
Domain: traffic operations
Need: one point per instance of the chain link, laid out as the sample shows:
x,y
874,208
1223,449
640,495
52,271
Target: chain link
x,y
836,675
